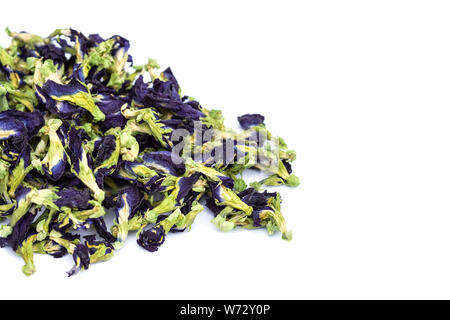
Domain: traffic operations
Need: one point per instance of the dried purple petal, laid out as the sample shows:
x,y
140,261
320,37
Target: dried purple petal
x,y
249,120
81,259
165,162
152,239
71,197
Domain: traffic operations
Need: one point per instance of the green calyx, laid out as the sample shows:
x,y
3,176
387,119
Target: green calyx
x,y
85,101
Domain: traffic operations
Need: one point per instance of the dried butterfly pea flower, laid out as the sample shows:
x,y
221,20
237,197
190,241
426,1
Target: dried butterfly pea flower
x,y
84,136
165,162
81,164
111,107
81,259
128,201
248,120
76,94
152,239
55,160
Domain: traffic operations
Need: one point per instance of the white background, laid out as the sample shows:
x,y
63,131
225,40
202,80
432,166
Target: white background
x,y
359,88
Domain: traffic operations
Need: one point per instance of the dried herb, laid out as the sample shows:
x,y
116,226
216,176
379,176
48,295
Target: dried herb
x,y
84,135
